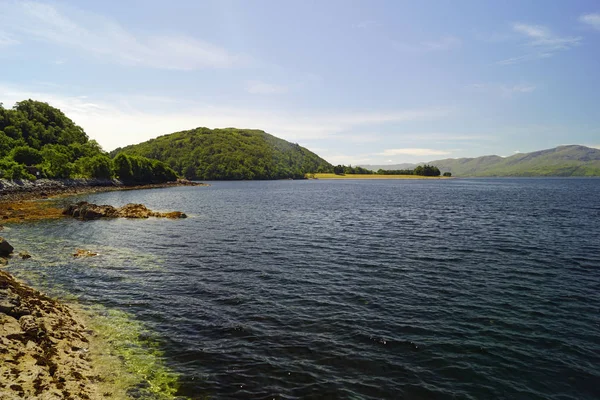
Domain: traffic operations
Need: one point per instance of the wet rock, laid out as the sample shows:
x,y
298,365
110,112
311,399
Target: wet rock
x,y
3,261
174,215
84,253
9,301
135,211
5,248
88,211
24,255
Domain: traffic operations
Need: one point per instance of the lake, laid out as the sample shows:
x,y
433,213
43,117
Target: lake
x,y
387,289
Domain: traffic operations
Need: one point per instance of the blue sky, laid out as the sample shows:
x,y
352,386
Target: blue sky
x,y
359,82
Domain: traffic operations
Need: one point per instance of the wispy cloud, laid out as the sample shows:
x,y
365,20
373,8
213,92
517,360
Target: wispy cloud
x,y
503,90
541,41
444,43
7,40
259,87
592,20
120,120
101,37
414,152
366,24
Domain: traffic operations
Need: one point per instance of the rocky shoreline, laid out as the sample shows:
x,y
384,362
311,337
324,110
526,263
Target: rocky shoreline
x,y
15,195
11,191
46,347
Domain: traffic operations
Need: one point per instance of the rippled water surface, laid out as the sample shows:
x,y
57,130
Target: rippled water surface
x,y
467,289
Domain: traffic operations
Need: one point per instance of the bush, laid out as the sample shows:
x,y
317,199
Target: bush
x,y
26,155
9,169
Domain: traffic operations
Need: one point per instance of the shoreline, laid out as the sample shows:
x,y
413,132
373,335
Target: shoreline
x,y
54,349
11,191
46,348
323,176
19,201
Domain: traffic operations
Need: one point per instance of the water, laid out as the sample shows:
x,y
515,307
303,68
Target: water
x,y
466,289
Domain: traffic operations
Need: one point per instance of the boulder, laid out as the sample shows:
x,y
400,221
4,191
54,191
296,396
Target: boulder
x,y
135,211
24,255
5,248
87,211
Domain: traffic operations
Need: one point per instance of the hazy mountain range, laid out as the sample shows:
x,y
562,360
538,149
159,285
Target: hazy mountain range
x,y
572,160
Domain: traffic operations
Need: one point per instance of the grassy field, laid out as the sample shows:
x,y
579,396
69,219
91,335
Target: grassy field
x,y
368,176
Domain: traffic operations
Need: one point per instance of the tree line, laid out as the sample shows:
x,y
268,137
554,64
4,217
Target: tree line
x,y
421,170
39,141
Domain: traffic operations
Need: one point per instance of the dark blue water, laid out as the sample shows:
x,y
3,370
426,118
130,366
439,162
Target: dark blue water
x,y
466,289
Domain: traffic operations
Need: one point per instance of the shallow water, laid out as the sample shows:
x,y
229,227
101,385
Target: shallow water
x,y
483,288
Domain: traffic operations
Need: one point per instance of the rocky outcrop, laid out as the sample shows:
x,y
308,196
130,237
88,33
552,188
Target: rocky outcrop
x,y
88,211
5,248
43,347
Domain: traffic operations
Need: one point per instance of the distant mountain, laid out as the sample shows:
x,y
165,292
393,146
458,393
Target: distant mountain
x,y
569,160
223,154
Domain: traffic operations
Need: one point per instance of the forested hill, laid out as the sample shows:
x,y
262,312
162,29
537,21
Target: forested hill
x,y
40,141
228,154
569,160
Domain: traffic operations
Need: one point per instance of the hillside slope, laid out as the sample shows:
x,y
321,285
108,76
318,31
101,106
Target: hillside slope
x,y
569,160
224,154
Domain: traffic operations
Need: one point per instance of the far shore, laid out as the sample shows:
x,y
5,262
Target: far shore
x,y
371,176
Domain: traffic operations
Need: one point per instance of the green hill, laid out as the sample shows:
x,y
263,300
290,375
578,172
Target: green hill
x,y
227,154
569,160
40,141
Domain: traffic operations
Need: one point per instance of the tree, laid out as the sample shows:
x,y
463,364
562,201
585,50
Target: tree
x,y
447,174
338,169
26,155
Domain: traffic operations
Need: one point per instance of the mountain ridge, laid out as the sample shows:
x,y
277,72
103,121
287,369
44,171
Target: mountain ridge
x,y
565,160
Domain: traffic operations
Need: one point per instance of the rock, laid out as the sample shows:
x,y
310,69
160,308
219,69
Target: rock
x,y
174,215
134,211
84,253
24,255
87,211
8,301
5,248
3,261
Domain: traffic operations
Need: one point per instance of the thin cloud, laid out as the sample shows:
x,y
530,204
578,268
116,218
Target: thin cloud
x,y
444,43
369,23
7,40
542,41
414,152
502,90
96,35
122,120
592,20
259,87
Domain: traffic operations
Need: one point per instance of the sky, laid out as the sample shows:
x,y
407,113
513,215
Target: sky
x,y
358,82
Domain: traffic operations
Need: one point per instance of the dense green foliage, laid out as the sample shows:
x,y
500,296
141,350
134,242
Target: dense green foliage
x,y
342,169
228,154
421,170
39,141
560,161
